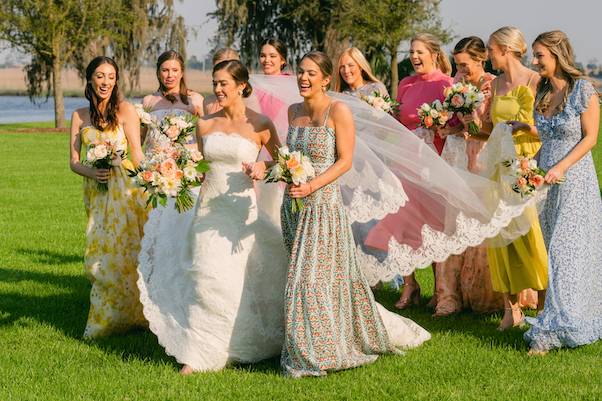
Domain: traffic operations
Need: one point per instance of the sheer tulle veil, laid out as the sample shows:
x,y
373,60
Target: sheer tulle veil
x,y
400,191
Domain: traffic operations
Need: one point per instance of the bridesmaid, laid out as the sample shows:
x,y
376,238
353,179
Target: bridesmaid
x,y
272,57
464,281
523,264
355,76
210,104
173,96
115,217
567,113
332,321
432,69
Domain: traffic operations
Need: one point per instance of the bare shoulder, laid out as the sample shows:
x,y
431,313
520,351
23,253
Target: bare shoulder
x,y
126,107
195,97
340,110
79,116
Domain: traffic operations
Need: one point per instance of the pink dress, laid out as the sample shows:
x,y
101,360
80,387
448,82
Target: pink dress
x,y
464,281
406,224
417,89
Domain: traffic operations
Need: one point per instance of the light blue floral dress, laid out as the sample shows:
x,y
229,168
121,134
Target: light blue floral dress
x,y
331,319
571,221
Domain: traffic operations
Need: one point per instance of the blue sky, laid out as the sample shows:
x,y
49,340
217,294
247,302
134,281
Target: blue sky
x,y
580,19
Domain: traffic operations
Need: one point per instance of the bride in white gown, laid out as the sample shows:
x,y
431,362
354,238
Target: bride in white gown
x,y
215,295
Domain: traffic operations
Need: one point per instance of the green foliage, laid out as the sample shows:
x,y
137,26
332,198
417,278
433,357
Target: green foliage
x,y
44,300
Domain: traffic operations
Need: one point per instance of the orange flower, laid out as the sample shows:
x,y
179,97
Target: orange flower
x,y
428,121
168,168
292,163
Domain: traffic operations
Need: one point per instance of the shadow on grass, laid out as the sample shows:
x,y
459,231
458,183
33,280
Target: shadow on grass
x,y
480,326
68,312
44,256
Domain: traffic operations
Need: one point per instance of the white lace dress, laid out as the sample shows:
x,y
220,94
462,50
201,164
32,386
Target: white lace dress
x,y
212,287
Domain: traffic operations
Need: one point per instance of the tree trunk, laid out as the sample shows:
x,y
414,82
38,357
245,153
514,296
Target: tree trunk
x,y
57,88
334,44
394,72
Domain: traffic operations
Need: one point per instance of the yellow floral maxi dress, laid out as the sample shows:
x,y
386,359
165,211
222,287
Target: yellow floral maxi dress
x,y
113,234
524,263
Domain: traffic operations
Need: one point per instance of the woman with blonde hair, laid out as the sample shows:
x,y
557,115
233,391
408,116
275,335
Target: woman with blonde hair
x,y
523,264
432,69
567,113
355,76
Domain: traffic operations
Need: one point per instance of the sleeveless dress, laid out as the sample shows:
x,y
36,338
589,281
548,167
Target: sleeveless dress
x,y
215,295
524,263
571,220
332,321
464,281
113,234
368,89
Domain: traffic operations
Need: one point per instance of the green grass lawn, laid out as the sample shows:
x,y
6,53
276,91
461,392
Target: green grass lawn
x,y
44,305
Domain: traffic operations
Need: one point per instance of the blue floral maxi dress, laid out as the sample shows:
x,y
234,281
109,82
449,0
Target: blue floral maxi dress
x,y
571,221
331,319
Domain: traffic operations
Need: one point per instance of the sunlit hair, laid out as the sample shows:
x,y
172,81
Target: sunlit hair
x,y
474,47
172,55
558,44
238,72
99,121
357,56
433,44
323,62
280,48
223,54
512,39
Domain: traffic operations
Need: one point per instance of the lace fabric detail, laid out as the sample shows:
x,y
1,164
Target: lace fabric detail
x,y
436,245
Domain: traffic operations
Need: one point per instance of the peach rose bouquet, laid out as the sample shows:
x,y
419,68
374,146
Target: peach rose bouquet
x,y
291,168
525,176
171,173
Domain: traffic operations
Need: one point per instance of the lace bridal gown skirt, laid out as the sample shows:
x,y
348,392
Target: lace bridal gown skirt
x,y
212,285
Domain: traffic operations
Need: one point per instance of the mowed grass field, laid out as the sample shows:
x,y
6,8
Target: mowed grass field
x,y
44,304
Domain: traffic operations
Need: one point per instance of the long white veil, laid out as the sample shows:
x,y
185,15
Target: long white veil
x,y
408,207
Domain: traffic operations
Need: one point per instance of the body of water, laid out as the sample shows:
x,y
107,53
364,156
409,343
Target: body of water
x,y
19,109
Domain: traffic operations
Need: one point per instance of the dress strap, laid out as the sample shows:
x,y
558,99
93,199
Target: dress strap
x,y
327,114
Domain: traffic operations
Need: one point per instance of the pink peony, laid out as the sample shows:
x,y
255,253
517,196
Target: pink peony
x,y
521,182
168,168
147,176
172,132
457,101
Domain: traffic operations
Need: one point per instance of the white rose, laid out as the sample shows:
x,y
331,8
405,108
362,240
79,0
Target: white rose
x,y
434,113
284,151
190,173
425,107
90,154
379,103
299,176
437,105
100,152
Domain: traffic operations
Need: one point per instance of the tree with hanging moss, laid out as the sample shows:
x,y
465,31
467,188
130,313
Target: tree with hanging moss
x,y
61,33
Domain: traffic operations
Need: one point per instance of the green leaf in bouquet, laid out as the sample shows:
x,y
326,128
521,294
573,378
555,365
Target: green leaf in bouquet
x,y
203,166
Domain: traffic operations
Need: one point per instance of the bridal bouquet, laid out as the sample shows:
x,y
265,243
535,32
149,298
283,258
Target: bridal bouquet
x,y
104,154
291,168
433,115
380,102
463,98
526,177
170,173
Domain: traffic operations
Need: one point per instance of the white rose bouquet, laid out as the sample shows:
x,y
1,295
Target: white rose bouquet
x,y
291,168
380,102
178,128
104,154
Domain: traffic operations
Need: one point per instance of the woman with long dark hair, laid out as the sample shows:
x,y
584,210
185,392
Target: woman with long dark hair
x,y
116,214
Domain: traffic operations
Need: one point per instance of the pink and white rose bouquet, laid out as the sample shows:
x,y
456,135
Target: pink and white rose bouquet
x,y
525,176
104,154
463,98
433,115
380,102
170,173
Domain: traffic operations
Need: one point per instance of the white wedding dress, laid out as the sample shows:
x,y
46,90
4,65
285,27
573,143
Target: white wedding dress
x,y
212,285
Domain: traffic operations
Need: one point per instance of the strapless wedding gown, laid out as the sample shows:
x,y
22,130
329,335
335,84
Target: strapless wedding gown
x,y
212,286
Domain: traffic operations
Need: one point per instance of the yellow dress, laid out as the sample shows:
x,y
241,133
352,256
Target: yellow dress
x,y
115,222
524,263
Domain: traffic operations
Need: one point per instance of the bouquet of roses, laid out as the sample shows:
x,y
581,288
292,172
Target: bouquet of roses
x,y
380,102
171,172
146,118
526,176
177,128
291,168
104,154
463,98
433,115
